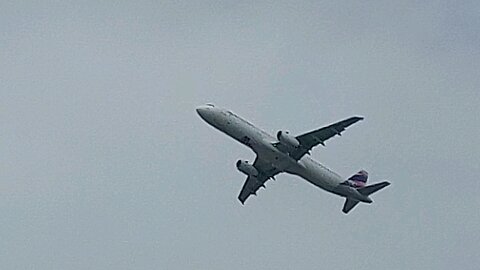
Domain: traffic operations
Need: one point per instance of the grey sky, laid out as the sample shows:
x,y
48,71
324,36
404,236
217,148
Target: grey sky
x,y
105,165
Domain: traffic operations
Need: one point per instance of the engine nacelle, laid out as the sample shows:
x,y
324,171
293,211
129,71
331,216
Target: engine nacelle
x,y
288,140
246,168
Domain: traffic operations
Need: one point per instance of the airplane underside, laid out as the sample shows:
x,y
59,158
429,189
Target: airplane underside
x,y
290,154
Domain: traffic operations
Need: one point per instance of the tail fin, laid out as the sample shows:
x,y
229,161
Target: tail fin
x,y
359,179
351,203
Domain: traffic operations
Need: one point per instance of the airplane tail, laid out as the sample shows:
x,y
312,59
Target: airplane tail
x,y
373,188
366,191
359,179
349,205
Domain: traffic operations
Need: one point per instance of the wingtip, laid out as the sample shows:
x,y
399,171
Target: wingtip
x,y
356,118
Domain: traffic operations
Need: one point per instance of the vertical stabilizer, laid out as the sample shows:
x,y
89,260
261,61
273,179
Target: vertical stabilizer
x,y
359,179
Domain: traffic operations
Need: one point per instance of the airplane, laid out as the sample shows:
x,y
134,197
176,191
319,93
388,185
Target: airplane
x,y
289,154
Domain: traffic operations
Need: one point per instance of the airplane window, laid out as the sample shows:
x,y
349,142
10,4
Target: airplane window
x,y
210,105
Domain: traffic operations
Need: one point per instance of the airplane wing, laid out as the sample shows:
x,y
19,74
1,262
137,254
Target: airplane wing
x,y
311,139
252,184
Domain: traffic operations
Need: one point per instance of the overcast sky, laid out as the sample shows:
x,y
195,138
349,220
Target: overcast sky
x,y
105,164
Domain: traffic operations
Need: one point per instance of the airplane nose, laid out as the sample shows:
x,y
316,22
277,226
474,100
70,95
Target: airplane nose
x,y
201,110
207,113
204,112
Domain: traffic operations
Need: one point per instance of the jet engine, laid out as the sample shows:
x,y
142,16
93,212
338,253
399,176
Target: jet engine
x,y
246,168
288,140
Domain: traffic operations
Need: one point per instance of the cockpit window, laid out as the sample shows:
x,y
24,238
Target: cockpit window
x,y
210,105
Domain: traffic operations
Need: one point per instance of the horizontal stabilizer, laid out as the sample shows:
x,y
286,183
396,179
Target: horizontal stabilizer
x,y
349,205
373,188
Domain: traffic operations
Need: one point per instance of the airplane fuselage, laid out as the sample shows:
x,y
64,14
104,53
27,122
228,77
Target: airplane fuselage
x,y
262,144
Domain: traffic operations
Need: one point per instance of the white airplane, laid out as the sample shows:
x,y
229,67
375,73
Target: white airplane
x,y
290,154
